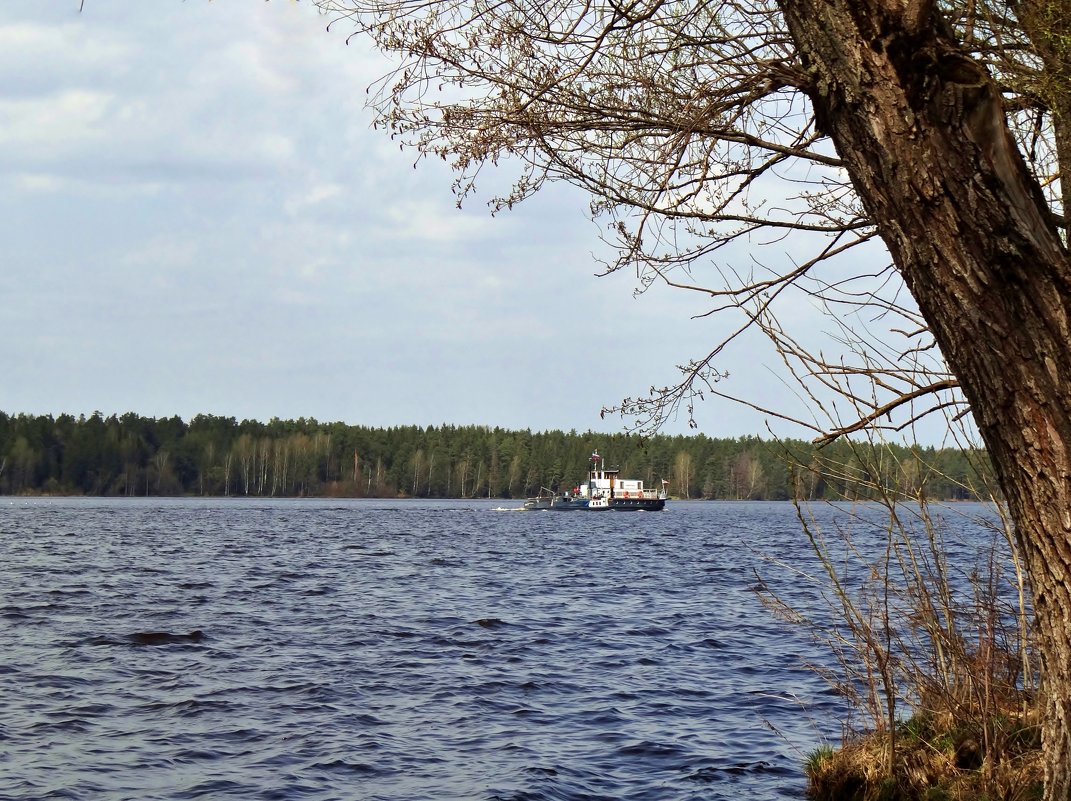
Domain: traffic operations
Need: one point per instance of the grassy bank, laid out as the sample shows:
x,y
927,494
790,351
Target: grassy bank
x,y
934,760
934,656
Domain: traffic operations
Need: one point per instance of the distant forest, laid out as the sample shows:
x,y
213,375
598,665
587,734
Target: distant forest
x,y
132,455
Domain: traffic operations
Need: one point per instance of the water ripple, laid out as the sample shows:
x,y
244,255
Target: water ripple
x,y
397,651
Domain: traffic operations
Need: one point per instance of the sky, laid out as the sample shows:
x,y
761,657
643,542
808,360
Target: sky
x,y
197,217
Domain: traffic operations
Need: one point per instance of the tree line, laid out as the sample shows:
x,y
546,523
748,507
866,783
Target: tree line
x,y
131,455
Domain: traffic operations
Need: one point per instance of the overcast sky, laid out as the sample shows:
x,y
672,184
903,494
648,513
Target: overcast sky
x,y
197,217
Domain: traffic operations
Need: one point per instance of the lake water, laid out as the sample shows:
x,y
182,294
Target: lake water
x,y
401,650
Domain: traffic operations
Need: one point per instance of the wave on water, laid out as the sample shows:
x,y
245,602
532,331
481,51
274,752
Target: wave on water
x,y
391,652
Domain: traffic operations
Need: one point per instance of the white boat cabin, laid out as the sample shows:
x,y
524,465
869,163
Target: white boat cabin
x,y
604,482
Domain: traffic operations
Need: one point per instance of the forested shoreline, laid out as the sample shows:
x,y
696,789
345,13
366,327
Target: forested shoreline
x,y
131,455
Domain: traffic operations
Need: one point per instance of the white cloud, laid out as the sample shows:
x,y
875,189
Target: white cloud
x,y
162,252
40,126
226,92
431,222
40,182
250,65
195,185
37,56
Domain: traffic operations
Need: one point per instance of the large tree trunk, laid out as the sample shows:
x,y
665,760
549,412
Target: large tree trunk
x,y
921,128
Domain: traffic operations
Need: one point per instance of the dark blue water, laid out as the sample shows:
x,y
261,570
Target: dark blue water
x,y
182,649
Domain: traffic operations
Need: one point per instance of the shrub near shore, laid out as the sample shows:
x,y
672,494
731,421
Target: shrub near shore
x,y
935,660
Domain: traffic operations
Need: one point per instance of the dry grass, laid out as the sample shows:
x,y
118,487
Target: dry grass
x,y
931,764
935,660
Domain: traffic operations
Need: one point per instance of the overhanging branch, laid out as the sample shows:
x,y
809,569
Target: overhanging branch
x,y
885,409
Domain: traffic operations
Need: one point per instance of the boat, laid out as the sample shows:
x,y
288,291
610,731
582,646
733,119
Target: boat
x,y
604,491
544,501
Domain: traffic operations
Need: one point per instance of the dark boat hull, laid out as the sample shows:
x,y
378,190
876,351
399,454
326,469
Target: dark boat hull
x,y
637,504
576,504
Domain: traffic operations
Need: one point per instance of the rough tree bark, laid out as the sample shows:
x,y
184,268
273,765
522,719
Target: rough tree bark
x,y
921,129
